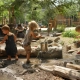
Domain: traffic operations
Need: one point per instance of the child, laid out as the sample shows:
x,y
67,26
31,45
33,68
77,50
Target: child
x,y
19,31
49,28
28,38
9,39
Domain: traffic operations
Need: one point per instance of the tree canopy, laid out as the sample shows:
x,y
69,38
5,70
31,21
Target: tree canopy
x,y
39,10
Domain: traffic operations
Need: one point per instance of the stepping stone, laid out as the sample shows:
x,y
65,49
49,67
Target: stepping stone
x,y
50,41
70,51
57,39
34,40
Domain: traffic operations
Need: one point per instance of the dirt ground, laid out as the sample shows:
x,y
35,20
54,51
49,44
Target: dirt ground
x,y
31,71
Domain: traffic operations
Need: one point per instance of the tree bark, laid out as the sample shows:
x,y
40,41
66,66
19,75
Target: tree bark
x,y
73,66
62,71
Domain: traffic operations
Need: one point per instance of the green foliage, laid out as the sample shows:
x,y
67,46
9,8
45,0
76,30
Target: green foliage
x,y
70,33
19,16
39,10
60,28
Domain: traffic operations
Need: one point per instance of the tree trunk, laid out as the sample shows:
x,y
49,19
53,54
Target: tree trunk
x,y
62,71
73,66
9,15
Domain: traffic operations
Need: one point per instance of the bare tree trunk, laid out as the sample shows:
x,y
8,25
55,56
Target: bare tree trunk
x,y
73,66
9,15
62,71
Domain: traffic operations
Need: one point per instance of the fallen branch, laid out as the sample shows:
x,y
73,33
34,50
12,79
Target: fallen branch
x,y
61,71
73,66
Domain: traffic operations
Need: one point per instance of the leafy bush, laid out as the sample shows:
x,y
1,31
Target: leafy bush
x,y
60,28
70,33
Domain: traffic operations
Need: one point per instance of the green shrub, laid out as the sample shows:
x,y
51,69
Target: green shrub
x,y
60,28
70,33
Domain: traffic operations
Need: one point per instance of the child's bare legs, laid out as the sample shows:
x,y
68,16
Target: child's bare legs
x,y
9,57
28,52
28,57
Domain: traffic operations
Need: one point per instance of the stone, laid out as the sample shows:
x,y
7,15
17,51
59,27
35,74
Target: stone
x,y
2,64
56,34
77,44
49,41
70,51
57,39
78,56
68,47
77,61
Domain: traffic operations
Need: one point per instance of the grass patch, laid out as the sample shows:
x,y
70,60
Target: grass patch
x,y
70,33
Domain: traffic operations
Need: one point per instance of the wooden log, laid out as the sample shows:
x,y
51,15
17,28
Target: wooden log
x,y
73,66
61,71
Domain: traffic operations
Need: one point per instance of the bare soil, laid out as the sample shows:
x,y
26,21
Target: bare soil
x,y
31,71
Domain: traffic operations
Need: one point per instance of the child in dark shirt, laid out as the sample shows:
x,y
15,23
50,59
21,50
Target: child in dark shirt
x,y
9,39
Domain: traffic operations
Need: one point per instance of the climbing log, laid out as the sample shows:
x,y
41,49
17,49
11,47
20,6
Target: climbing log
x,y
73,66
61,71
